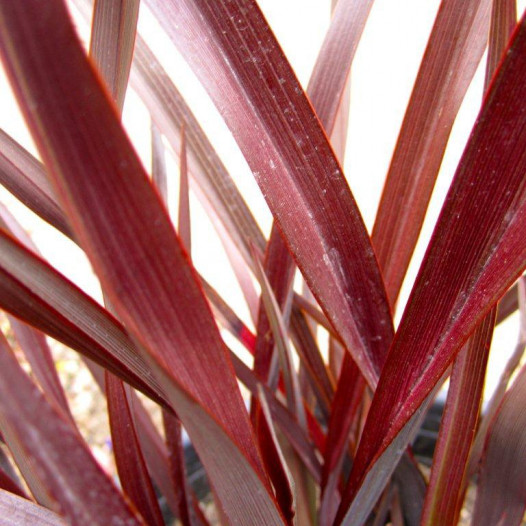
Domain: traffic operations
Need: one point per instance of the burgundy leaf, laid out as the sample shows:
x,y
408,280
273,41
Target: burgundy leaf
x,y
457,429
283,418
477,251
58,455
501,493
174,441
25,177
112,41
311,359
447,487
275,462
345,405
239,62
277,324
513,363
121,223
36,293
131,467
38,354
16,511
453,52
279,269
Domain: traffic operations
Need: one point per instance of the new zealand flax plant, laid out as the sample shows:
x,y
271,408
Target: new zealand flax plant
x,y
319,439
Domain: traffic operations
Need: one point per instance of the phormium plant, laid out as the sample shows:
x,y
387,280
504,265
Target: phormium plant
x,y
326,439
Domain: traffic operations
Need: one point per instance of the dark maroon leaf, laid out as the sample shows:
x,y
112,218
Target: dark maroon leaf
x,y
131,467
476,253
260,99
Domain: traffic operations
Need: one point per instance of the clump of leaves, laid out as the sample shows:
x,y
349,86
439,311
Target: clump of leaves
x,y
326,440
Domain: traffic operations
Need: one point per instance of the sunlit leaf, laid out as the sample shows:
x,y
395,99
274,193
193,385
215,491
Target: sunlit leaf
x,y
477,251
453,52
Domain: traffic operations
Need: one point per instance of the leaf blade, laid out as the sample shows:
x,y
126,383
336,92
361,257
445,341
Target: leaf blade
x,y
501,494
48,437
292,161
454,49
109,200
21,512
467,292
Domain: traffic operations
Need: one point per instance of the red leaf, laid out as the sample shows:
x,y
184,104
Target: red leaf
x,y
174,441
16,511
260,99
445,492
453,52
121,223
501,494
132,470
464,272
59,457
112,41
